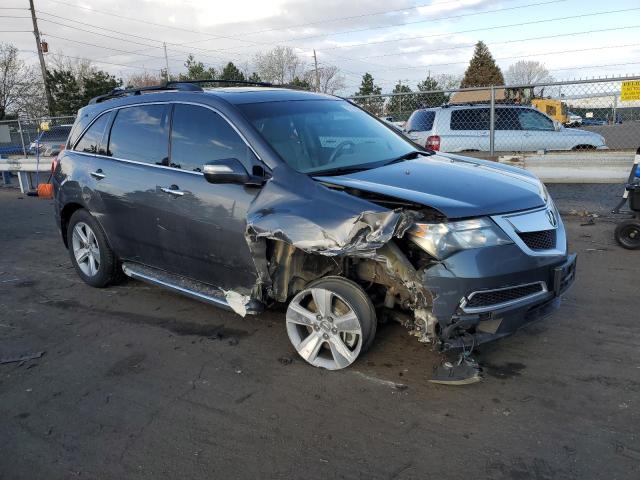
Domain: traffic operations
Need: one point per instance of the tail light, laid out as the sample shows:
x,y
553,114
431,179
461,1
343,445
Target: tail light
x,y
54,164
433,142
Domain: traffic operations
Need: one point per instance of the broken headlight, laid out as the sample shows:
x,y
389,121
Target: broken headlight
x,y
443,239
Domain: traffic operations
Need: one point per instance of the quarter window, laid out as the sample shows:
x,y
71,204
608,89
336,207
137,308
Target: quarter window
x,y
470,119
141,133
92,138
421,121
507,119
200,135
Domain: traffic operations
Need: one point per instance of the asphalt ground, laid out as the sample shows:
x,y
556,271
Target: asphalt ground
x,y
139,383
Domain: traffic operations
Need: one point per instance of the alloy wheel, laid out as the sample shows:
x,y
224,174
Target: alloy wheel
x,y
86,249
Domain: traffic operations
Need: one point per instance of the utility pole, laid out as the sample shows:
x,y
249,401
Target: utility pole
x,y
43,67
315,59
166,62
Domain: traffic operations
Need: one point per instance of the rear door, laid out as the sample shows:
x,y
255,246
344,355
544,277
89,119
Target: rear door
x,y
134,167
508,135
469,130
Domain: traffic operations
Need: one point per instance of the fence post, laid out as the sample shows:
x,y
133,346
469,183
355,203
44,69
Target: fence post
x,y
492,121
24,150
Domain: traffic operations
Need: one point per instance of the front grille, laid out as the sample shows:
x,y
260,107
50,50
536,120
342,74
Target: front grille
x,y
541,240
489,298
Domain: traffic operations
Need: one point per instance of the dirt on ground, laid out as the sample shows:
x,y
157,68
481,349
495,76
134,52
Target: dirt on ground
x,y
136,382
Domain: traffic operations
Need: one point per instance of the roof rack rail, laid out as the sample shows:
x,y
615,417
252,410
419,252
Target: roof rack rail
x,y
213,80
180,85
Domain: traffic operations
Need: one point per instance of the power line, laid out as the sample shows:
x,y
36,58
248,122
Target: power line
x,y
495,27
93,61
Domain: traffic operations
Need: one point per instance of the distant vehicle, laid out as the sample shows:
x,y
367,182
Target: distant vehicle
x,y
590,122
574,120
553,108
51,141
392,120
518,129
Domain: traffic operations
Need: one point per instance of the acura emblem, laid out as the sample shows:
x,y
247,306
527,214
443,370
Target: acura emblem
x,y
552,218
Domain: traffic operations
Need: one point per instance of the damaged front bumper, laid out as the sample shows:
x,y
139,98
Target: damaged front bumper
x,y
485,294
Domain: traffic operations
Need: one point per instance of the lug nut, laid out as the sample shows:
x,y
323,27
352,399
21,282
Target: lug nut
x,y
330,319
325,336
318,317
334,330
316,327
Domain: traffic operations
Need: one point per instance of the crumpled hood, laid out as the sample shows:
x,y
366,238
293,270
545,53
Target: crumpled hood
x,y
456,186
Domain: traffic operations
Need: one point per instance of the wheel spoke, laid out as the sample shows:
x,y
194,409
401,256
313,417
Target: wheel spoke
x,y
93,266
310,346
347,323
81,233
81,254
323,299
340,352
300,315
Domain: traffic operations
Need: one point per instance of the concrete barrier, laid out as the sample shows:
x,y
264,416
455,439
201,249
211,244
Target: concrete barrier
x,y
575,167
24,168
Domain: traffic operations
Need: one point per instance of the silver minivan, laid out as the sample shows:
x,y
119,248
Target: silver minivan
x,y
517,129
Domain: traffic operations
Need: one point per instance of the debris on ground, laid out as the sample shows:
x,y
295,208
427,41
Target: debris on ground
x,y
286,360
462,372
21,358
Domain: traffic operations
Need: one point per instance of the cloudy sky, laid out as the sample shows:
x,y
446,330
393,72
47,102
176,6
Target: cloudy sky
x,y
392,39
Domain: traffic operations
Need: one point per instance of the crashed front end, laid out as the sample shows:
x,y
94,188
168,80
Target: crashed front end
x,y
452,283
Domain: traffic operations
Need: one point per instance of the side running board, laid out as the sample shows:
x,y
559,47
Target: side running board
x,y
185,286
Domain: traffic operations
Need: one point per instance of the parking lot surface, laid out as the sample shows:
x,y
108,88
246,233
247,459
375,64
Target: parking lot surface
x,y
136,382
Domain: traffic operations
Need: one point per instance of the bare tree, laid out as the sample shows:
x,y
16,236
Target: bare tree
x,y
21,90
527,72
144,79
279,65
331,80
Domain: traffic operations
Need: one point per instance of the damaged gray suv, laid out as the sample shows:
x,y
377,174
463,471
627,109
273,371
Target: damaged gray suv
x,y
248,197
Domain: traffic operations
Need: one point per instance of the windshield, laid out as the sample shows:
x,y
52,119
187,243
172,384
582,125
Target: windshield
x,y
322,135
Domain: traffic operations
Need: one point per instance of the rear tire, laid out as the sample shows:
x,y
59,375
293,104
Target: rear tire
x,y
331,322
628,234
90,253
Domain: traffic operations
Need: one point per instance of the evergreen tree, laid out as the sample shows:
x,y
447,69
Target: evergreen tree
x,y
197,70
231,72
435,99
482,70
254,77
368,87
401,106
299,83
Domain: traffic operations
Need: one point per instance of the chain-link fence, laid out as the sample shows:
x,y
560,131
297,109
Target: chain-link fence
x,y
24,137
585,115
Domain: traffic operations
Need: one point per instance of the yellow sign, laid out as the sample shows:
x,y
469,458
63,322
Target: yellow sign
x,y
630,91
44,126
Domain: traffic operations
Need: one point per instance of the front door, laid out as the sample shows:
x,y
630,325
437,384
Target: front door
x,y
203,225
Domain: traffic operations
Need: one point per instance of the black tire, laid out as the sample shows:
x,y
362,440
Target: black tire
x,y
108,270
628,234
359,301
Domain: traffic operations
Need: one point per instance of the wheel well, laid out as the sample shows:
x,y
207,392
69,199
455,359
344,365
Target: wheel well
x,y
65,215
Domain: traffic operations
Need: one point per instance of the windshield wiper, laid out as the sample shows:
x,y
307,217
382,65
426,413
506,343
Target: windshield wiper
x,y
408,156
340,170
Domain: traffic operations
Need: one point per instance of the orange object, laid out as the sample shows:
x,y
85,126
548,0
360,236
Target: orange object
x,y
45,190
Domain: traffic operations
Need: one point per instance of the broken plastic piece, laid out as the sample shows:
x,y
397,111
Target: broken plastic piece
x,y
21,358
463,372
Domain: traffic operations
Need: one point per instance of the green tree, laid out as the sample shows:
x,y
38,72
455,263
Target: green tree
x,y
231,72
197,70
368,87
97,82
401,106
254,77
301,84
65,91
434,99
483,70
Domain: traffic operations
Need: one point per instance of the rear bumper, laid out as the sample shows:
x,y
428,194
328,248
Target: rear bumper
x,y
454,282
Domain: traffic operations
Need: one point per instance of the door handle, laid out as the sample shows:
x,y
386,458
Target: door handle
x,y
98,175
172,190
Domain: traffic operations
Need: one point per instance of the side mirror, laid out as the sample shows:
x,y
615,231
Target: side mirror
x,y
226,170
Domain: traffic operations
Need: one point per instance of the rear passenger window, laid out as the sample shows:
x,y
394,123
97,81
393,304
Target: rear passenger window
x,y
90,141
142,134
470,119
200,135
507,119
421,121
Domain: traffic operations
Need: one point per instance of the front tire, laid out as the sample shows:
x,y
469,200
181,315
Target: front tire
x,y
90,253
628,234
331,322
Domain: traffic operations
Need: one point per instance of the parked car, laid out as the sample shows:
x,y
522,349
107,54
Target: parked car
x,y
250,197
573,119
50,141
517,129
